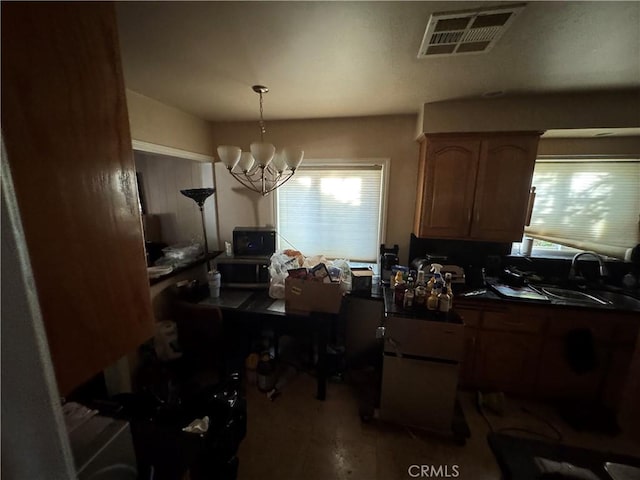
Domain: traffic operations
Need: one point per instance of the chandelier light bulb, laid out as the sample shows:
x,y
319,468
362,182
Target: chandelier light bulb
x,y
293,157
263,153
279,162
229,155
246,162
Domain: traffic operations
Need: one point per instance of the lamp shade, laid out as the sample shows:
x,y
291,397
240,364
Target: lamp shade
x,y
279,162
293,157
263,153
246,162
229,155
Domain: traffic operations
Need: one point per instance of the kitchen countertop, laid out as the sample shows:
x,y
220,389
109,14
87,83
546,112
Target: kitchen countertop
x,y
182,268
620,301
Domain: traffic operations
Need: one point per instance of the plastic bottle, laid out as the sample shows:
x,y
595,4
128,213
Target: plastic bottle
x,y
447,279
407,301
396,280
444,300
420,292
437,276
432,301
409,294
399,290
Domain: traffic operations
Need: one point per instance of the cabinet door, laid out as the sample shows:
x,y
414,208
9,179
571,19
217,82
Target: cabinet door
x,y
502,188
558,380
466,367
507,361
65,127
445,194
471,318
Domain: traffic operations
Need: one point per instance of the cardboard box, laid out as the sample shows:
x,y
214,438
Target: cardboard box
x,y
306,296
361,281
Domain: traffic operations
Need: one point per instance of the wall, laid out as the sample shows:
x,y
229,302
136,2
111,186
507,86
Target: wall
x,y
154,122
590,146
390,137
162,179
534,112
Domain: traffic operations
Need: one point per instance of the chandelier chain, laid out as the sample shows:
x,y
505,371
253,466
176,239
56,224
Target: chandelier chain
x,y
262,128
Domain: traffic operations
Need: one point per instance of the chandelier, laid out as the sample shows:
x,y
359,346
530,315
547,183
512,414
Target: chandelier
x,y
261,170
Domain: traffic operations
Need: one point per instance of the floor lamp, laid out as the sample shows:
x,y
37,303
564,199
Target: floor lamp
x,y
200,195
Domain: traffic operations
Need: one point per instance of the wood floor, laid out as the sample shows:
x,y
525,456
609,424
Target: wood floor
x,y
297,437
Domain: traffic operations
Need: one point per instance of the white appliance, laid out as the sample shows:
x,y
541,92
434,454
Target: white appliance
x,y
102,447
420,372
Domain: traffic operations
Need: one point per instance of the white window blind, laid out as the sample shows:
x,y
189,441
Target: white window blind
x,y
332,210
590,205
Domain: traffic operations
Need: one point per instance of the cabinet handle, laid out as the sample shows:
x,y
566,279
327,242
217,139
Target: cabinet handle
x,y
468,215
478,216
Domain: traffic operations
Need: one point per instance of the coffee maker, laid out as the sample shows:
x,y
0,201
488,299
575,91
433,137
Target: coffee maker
x,y
388,258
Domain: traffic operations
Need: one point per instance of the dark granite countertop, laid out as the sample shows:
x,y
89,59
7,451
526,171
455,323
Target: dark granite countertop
x,y
618,300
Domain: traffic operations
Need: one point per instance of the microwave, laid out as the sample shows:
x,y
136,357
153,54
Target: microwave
x,y
254,241
243,272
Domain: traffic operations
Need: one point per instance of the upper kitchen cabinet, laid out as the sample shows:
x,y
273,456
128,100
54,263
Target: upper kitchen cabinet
x,y
68,147
475,186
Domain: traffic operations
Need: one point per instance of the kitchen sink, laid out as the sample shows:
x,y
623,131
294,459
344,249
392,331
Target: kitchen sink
x,y
619,300
576,296
602,298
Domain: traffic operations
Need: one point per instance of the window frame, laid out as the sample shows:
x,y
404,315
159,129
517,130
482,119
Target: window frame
x,y
385,163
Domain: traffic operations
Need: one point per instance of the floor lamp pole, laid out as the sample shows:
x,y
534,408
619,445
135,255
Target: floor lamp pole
x,y
200,195
204,233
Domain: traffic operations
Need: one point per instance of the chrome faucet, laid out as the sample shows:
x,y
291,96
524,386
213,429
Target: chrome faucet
x,y
573,271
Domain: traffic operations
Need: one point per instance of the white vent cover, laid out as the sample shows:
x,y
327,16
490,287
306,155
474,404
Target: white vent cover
x,y
466,32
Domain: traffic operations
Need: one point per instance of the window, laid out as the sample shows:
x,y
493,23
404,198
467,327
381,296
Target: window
x,y
588,204
333,209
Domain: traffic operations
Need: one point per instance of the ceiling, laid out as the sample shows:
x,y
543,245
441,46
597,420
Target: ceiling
x,y
339,59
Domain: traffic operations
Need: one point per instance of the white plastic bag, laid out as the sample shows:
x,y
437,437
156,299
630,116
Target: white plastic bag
x,y
280,263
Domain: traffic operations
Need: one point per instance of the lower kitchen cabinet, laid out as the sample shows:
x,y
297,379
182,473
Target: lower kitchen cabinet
x,y
418,393
420,372
522,350
507,361
557,379
471,318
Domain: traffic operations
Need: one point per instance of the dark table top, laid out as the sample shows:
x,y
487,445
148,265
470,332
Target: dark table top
x,y
254,301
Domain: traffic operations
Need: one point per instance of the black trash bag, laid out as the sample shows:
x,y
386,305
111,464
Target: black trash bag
x,y
165,452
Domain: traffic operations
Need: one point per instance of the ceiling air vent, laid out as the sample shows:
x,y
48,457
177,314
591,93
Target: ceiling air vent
x,y
465,32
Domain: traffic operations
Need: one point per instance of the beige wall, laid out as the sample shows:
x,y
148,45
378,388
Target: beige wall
x,y
162,178
157,123
590,146
534,112
390,137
